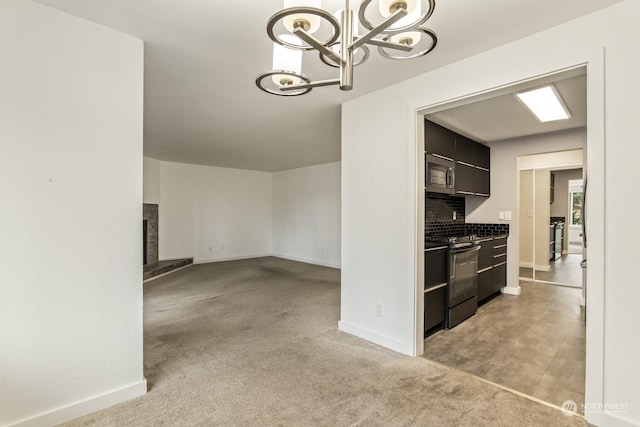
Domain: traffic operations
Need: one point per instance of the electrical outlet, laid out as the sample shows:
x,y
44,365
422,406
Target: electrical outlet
x,y
378,309
501,215
455,215
507,216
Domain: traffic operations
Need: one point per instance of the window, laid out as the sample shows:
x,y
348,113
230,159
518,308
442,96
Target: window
x,y
575,202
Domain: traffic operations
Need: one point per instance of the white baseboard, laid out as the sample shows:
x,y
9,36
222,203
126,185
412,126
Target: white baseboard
x,y
543,268
525,264
374,337
511,290
167,273
610,419
84,407
231,258
582,302
308,260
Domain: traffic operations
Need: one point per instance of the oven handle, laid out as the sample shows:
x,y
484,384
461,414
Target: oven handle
x,y
467,249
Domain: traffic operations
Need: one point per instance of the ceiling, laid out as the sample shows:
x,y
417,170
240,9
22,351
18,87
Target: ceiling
x,y
202,58
503,117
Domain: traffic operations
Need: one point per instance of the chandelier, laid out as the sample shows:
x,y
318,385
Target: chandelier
x,y
395,27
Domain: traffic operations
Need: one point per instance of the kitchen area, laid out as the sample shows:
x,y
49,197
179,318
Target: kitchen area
x,y
530,341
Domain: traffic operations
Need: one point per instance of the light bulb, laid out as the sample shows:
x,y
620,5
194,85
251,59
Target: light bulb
x,y
309,23
408,38
286,59
412,7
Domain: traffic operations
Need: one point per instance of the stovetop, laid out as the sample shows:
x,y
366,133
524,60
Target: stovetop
x,y
454,242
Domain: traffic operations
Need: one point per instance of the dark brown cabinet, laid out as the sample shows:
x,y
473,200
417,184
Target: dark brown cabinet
x,y
439,140
471,173
492,267
435,288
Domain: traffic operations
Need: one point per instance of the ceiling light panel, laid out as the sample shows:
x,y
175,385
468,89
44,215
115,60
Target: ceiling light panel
x,y
545,104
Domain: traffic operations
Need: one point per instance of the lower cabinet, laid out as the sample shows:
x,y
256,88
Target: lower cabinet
x,y
434,309
492,268
435,285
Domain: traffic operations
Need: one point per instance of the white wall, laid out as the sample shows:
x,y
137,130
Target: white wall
x,y
212,213
306,214
151,180
379,188
70,201
504,180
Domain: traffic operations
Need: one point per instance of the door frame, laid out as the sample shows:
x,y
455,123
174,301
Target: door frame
x,y
593,60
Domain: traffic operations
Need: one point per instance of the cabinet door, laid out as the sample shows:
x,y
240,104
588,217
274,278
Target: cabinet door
x,y
434,308
482,155
485,255
485,281
482,183
465,149
439,140
464,179
435,267
499,273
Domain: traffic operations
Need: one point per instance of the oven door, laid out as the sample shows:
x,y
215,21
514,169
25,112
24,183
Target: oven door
x,y
463,275
440,176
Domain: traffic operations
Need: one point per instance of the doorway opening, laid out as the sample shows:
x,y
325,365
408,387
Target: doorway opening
x,y
525,340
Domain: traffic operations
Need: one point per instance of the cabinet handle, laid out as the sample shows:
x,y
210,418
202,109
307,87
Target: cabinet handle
x,y
485,269
433,288
483,169
499,246
498,265
441,157
482,194
466,192
466,164
499,255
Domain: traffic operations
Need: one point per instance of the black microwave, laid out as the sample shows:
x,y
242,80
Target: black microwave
x,y
440,175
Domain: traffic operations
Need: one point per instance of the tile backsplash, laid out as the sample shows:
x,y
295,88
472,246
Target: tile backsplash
x,y
439,220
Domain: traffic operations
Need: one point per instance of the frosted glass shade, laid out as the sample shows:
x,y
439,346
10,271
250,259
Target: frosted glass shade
x,y
286,59
313,20
414,12
413,37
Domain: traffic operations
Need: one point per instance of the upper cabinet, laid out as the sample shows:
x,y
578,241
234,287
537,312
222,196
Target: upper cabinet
x,y
438,140
471,175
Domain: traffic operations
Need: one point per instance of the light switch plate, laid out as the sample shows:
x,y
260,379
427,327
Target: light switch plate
x,y
507,216
501,215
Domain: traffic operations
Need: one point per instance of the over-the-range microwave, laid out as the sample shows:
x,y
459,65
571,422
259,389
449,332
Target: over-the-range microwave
x,y
441,174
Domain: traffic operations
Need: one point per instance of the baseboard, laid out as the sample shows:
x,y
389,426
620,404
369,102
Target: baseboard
x,y
525,264
510,290
85,407
543,268
308,260
582,302
610,419
231,258
374,337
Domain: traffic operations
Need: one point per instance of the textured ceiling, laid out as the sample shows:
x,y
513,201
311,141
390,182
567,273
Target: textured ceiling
x,y
202,57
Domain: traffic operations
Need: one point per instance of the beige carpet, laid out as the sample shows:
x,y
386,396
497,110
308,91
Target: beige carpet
x,y
255,343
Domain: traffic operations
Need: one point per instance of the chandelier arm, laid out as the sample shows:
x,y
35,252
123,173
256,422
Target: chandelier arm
x,y
310,85
316,44
398,15
391,45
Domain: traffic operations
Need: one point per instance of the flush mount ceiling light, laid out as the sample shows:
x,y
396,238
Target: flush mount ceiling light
x,y
544,103
394,26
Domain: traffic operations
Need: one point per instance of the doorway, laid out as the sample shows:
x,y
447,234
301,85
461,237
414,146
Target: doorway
x,y
524,342
550,191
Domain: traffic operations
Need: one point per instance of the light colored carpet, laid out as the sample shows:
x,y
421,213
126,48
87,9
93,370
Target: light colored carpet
x,y
255,343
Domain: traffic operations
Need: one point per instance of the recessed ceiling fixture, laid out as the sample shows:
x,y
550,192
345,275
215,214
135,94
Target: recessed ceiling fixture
x,y
303,26
544,103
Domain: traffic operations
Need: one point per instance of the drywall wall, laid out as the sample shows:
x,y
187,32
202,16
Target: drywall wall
x,y
213,214
507,157
306,214
71,191
379,192
525,218
151,180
